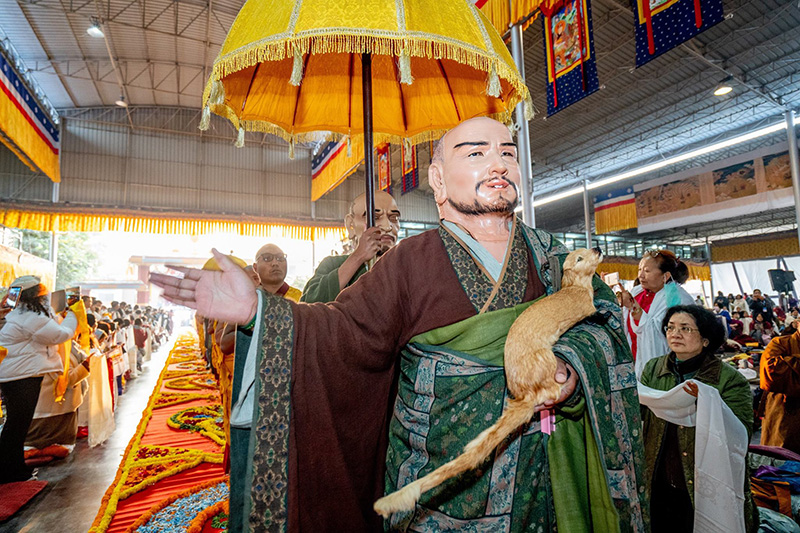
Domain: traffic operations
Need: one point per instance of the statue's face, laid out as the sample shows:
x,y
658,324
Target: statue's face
x,y
479,171
271,265
387,218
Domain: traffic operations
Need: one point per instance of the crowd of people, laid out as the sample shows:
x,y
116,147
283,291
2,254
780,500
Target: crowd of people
x,y
755,318
62,372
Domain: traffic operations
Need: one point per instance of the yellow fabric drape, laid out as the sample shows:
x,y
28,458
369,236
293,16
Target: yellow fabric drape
x,y
14,263
338,169
629,268
82,333
21,136
756,249
497,11
615,219
92,222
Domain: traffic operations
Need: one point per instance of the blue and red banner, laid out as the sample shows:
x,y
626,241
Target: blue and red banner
x,y
661,25
25,127
615,211
384,158
332,165
410,169
569,53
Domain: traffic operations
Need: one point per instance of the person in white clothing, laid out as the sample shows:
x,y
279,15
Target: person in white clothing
x,y
30,335
661,275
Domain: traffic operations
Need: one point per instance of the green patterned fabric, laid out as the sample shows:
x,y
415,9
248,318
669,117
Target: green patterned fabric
x,y
452,387
268,452
478,285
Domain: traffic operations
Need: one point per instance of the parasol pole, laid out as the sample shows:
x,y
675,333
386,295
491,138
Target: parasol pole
x,y
369,163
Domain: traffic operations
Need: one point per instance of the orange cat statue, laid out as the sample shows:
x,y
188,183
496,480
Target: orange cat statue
x,y
530,368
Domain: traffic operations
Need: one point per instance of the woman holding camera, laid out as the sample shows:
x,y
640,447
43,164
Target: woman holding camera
x,y
30,336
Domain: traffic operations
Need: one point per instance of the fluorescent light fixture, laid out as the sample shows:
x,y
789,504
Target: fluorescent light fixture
x,y
664,163
95,30
724,87
121,101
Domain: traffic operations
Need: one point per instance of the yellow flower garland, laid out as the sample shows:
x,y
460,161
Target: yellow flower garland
x,y
184,350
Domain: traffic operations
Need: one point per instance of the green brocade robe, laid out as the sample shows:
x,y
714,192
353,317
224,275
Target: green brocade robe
x,y
403,369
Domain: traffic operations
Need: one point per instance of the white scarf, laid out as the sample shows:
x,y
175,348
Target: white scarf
x,y
720,445
650,339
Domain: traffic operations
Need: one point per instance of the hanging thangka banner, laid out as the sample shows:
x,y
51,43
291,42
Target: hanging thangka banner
x,y
661,25
569,52
410,169
384,167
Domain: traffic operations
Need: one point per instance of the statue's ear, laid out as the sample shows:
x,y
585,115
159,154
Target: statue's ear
x,y
436,181
348,224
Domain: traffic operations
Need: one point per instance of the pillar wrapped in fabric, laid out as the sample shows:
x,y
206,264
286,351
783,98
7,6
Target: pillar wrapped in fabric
x,y
569,52
25,127
661,25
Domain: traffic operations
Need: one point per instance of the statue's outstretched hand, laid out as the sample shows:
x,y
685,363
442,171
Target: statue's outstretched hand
x,y
226,295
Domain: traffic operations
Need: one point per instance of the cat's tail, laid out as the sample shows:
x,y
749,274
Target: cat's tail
x,y
517,413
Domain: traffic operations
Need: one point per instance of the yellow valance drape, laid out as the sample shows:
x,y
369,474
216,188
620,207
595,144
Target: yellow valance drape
x,y
628,268
502,16
161,224
755,249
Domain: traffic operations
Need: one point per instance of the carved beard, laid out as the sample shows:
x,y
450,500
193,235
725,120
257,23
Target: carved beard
x,y
476,208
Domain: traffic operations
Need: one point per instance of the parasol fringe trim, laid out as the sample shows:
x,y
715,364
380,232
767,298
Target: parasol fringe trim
x,y
297,69
528,109
405,69
313,136
240,138
493,83
276,49
205,119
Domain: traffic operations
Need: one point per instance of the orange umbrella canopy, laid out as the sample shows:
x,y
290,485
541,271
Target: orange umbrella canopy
x,y
293,69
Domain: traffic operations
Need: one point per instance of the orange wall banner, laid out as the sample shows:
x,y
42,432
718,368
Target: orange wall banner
x,y
26,128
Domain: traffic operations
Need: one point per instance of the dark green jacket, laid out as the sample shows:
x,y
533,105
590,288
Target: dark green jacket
x,y
735,392
324,285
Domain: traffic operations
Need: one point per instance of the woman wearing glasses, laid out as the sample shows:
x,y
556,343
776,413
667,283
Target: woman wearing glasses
x,y
693,335
660,275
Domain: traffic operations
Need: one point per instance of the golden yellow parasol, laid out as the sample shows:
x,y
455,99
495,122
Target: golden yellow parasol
x,y
294,69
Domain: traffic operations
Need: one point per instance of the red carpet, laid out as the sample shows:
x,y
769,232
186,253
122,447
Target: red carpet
x,y
13,496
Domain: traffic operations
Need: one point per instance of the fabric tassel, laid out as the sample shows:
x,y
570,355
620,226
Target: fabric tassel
x,y
205,119
493,83
527,108
240,138
349,147
291,149
405,68
297,69
407,144
217,95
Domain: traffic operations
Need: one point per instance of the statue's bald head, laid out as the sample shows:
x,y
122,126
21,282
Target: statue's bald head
x,y
387,218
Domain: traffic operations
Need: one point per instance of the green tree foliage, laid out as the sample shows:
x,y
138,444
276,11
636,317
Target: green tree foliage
x,y
77,260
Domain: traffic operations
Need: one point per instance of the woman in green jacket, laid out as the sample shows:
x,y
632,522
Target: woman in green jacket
x,y
693,335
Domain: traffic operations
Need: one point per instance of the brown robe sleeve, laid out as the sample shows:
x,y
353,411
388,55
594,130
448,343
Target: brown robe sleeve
x,y
343,381
780,366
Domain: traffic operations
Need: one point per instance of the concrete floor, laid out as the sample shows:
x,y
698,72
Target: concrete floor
x,y
76,484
